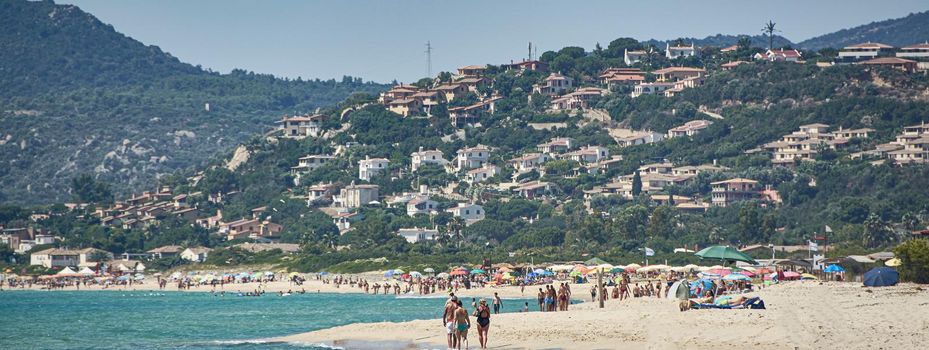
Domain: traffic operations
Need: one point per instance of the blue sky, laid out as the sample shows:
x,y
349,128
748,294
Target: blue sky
x,y
383,40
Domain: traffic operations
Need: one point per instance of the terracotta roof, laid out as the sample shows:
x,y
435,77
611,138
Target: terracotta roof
x,y
887,60
678,69
916,46
869,45
736,180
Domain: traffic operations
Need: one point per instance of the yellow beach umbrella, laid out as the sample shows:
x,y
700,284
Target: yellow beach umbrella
x,y
893,262
807,276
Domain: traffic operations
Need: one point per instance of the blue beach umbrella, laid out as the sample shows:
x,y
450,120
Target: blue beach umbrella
x,y
833,268
389,273
736,277
477,271
538,271
881,277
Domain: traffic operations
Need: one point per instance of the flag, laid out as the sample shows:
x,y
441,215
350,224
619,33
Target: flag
x,y
814,247
828,229
649,252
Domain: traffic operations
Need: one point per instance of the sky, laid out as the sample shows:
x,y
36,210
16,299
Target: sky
x,y
385,40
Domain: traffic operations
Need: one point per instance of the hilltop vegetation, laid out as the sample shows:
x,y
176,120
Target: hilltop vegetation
x,y
909,30
78,97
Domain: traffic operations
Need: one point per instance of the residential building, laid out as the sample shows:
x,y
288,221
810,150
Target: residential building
x,y
429,99
639,138
452,91
310,163
529,162
779,55
319,193
369,168
690,128
863,52
556,145
473,71
196,254
473,84
415,235
631,57
730,191
672,52
588,154
650,89
405,107
732,64
470,213
553,85
580,99
398,92
914,52
471,114
526,65
302,126
534,189
421,205
905,65
59,258
423,157
481,174
354,196
672,74
472,157
167,251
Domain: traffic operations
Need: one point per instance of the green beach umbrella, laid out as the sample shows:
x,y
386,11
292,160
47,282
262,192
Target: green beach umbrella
x,y
595,261
725,253
477,271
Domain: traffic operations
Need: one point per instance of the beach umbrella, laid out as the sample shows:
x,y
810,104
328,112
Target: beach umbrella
x,y
833,269
791,275
478,272
748,273
595,261
399,271
881,277
442,275
721,271
807,276
725,253
633,267
389,273
139,277
582,269
538,271
736,277
416,274
893,262
748,268
459,273
574,273
618,269
561,268
680,289
324,273
123,278
269,273
504,269
429,270
547,273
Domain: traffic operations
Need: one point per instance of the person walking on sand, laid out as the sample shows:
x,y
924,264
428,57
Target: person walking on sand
x,y
462,324
593,293
483,322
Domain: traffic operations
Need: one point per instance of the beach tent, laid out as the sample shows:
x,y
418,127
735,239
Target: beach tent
x,y
833,269
725,253
680,290
881,277
595,261
87,272
66,271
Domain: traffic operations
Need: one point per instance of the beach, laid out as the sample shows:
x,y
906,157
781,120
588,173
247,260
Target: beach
x,y
799,315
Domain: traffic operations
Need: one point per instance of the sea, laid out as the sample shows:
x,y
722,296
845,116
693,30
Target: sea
x,y
195,320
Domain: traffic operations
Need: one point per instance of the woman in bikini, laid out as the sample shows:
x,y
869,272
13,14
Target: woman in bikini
x,y
462,323
483,322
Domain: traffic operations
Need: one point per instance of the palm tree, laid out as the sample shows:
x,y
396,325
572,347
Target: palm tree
x,y
769,30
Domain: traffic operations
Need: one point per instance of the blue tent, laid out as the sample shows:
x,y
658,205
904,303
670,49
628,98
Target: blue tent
x,y
833,268
881,277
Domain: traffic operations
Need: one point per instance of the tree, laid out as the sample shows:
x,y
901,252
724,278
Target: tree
x,y
914,260
636,184
455,226
660,225
876,232
769,30
89,190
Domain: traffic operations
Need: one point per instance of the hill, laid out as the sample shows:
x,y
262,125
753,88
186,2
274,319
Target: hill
x,y
723,40
898,32
78,97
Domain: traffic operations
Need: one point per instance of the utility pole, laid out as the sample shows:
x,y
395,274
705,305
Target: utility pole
x,y
428,59
530,51
600,286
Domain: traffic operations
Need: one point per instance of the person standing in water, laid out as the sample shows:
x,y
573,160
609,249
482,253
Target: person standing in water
x,y
498,303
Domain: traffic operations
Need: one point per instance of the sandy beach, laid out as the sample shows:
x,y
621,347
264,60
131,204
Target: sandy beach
x,y
800,315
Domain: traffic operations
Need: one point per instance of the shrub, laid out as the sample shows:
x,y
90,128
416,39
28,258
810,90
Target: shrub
x,y
914,255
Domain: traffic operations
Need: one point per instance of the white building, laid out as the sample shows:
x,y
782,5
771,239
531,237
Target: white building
x,y
310,163
673,52
422,157
416,234
196,254
471,213
690,128
354,196
639,138
473,157
864,51
650,88
529,161
368,168
633,57
301,126
589,154
56,257
914,51
481,174
556,145
421,205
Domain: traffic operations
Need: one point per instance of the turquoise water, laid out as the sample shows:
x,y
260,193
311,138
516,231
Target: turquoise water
x,y
179,320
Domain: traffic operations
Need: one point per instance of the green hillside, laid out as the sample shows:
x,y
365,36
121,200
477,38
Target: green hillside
x,y
78,97
909,30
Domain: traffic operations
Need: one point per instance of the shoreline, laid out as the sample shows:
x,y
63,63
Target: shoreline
x,y
799,315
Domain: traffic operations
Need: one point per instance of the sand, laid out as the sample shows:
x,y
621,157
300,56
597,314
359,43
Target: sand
x,y
800,315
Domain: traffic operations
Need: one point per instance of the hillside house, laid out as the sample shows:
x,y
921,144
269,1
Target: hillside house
x,y
168,251
672,52
470,213
556,145
588,154
473,84
319,193
481,174
555,84
196,254
779,55
650,89
421,205
905,65
405,107
428,100
726,192
302,126
354,196
525,65
416,234
672,74
529,162
369,168
452,91
422,157
864,52
472,157
398,92
639,138
631,57
534,189
914,52
580,99
690,128
472,114
474,71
